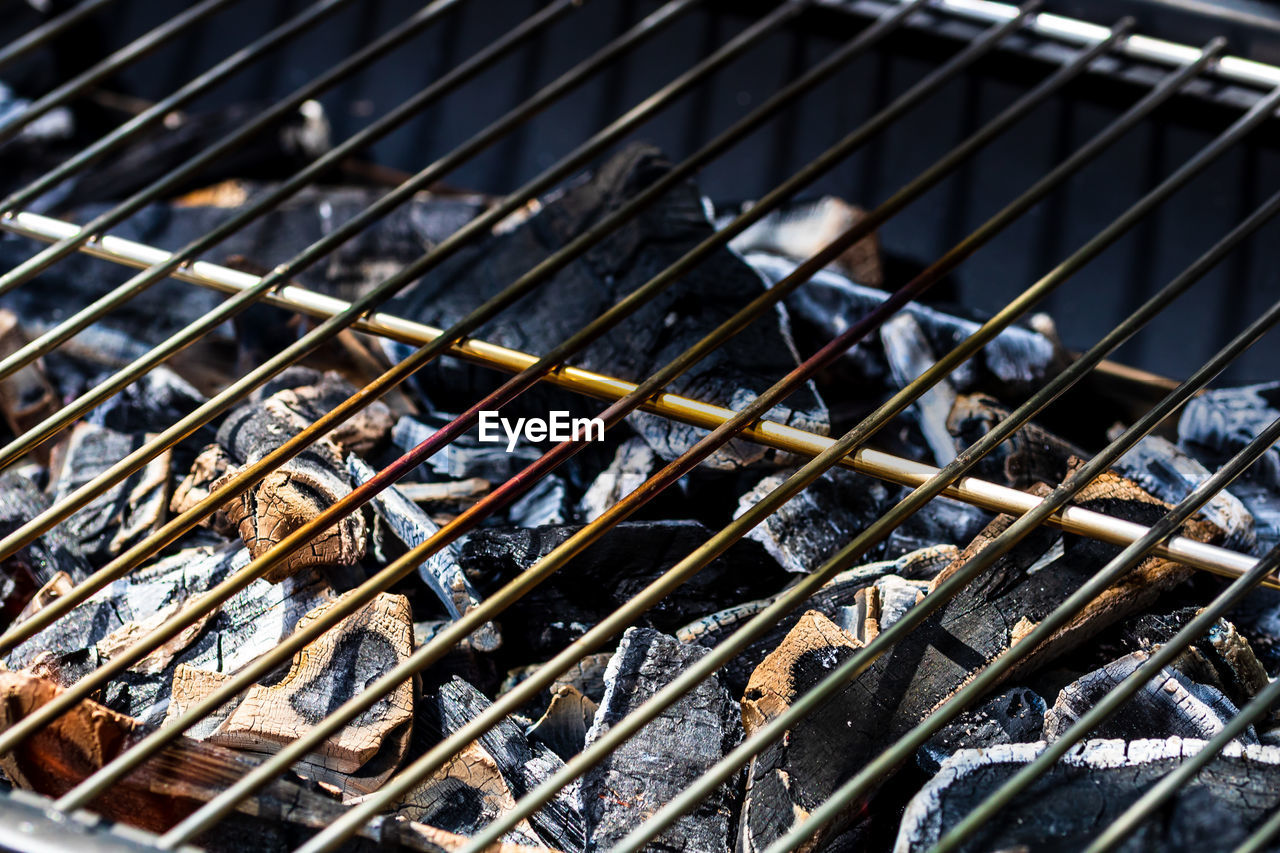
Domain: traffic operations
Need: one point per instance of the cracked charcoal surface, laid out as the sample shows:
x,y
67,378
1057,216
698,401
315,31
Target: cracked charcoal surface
x,y
649,338
666,755
1220,422
1012,716
1099,779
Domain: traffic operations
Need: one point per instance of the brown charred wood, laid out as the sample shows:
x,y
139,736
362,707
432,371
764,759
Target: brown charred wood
x,y
930,664
666,755
321,677
563,726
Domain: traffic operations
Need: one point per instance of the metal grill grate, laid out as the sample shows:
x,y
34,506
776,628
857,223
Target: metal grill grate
x,y
1081,48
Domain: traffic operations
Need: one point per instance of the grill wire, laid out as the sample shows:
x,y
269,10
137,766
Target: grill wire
x,y
623,397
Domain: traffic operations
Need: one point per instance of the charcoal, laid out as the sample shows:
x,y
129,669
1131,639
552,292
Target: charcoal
x,y
301,488
1015,715
983,620
607,574
127,512
182,777
547,502
36,564
1015,361
1218,423
816,523
897,596
1031,455
1089,788
798,230
154,403
1170,474
1169,705
491,773
836,594
648,243
941,520
563,726
907,350
586,676
441,571
666,755
1263,505
464,458
329,671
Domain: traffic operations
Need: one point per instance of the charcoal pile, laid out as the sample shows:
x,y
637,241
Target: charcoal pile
x,y
1052,687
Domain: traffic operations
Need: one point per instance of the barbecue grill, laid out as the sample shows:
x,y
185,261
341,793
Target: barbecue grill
x,y
917,110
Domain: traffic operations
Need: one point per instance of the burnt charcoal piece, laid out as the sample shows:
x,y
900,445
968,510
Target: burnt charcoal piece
x,y
126,513
181,778
1031,455
648,243
608,574
301,488
907,350
1170,474
1014,716
1169,705
490,774
800,229
983,620
36,564
633,463
941,520
358,650
464,458
1090,787
831,600
1263,505
151,404
1218,423
665,756
816,523
441,571
546,503
1017,360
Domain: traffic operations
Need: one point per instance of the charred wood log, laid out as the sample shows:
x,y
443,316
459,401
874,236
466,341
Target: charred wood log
x,y
798,230
666,755
34,565
654,334
1015,715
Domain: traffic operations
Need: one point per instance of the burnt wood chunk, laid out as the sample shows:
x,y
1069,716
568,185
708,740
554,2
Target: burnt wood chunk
x,y
1090,787
1031,455
489,776
185,775
127,512
1169,474
607,574
667,325
1220,422
441,571
814,524
36,564
320,678
814,647
633,463
151,404
302,487
1015,715
1169,705
832,600
791,777
907,350
665,756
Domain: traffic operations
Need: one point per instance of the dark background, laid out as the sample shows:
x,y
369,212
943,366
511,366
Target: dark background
x,y
1084,308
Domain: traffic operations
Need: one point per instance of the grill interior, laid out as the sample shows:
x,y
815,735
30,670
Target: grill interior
x,y
1070,168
